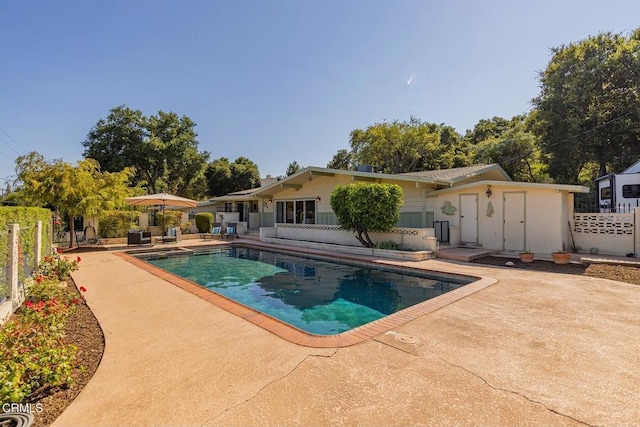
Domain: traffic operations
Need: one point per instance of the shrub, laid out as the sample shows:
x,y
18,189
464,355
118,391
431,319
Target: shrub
x,y
365,208
116,223
389,245
55,268
204,222
171,219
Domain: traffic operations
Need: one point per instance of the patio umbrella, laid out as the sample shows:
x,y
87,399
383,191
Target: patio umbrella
x,y
161,199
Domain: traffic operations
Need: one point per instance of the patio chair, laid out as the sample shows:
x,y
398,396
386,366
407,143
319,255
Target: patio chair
x,y
173,236
138,237
215,232
231,232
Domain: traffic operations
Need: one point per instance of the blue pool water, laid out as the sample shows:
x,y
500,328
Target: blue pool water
x,y
317,296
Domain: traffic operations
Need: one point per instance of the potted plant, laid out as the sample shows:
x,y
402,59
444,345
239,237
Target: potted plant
x,y
526,256
561,256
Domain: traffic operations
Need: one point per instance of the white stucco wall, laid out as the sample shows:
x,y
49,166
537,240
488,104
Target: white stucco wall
x,y
546,216
408,238
607,233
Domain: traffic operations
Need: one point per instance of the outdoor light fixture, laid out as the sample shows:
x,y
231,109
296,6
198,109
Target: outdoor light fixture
x,y
488,192
318,199
269,202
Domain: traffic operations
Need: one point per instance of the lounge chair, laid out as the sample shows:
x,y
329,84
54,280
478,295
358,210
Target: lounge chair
x,y
215,232
138,237
173,236
231,232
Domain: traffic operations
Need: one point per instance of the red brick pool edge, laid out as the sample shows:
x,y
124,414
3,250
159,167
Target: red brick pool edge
x,y
297,336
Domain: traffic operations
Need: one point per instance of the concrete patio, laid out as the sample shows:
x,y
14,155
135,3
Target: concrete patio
x,y
532,349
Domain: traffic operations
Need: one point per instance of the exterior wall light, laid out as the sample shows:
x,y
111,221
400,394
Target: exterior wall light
x,y
318,199
488,192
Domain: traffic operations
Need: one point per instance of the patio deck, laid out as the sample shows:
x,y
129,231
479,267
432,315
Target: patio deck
x,y
532,349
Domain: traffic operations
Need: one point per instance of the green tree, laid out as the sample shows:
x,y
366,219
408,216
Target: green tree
x,y
117,141
365,208
511,144
588,109
400,147
292,168
162,150
341,160
80,190
224,177
488,129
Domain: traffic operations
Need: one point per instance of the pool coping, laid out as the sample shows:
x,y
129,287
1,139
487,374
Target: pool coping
x,y
297,336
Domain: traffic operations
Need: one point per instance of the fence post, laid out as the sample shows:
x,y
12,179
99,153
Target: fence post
x,y
37,250
636,233
12,271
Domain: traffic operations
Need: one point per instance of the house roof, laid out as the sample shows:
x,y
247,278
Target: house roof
x,y
459,174
427,179
532,185
431,179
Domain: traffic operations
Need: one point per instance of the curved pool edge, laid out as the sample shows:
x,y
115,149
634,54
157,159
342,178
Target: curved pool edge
x,y
297,336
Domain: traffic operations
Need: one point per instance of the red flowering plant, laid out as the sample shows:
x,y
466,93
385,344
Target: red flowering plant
x,y
54,267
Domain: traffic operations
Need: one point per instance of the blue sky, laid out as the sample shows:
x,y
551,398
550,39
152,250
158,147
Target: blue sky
x,y
276,81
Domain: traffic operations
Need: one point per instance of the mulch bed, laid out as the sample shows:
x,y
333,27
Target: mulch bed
x,y
620,273
83,331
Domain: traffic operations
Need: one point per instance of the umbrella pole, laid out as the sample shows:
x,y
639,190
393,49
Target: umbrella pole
x,y
163,220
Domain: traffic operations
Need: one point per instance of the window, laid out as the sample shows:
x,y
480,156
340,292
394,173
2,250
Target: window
x,y
310,212
228,207
631,191
605,193
192,215
279,212
296,212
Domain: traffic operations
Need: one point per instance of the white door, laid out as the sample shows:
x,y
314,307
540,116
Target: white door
x,y
469,218
514,222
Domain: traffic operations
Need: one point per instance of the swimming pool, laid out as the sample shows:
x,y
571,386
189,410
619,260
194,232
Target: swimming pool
x,y
318,296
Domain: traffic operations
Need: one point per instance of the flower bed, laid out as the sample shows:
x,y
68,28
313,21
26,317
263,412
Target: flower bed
x,y
32,347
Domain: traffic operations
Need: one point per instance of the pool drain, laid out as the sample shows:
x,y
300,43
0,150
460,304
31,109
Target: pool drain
x,y
404,338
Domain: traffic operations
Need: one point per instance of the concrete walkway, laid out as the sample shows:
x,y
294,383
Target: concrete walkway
x,y
532,349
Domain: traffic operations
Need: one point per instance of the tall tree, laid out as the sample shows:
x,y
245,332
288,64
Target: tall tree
x,y
224,177
162,150
588,109
511,144
173,162
292,168
80,190
341,160
399,147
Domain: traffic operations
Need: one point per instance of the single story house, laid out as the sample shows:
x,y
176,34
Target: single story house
x,y
478,205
